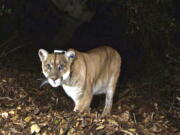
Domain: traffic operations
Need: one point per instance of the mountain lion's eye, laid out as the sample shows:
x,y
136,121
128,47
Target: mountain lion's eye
x,y
61,67
48,66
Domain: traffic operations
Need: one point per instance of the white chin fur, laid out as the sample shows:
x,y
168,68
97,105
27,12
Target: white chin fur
x,y
66,75
55,83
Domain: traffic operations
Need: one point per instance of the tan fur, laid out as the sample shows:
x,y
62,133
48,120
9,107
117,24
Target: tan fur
x,y
91,73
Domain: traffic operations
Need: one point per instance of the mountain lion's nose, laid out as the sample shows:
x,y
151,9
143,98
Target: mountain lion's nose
x,y
54,78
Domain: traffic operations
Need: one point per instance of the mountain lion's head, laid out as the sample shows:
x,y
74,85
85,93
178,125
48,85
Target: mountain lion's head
x,y
56,66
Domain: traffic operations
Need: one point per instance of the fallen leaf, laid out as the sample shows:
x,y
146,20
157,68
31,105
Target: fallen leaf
x,y
100,127
4,115
156,129
4,81
15,117
71,131
35,129
63,121
28,119
61,131
12,112
36,111
126,132
44,133
113,122
19,108
77,124
178,98
125,116
132,130
56,122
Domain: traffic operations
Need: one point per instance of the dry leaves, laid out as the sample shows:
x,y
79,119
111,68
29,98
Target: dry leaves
x,y
25,109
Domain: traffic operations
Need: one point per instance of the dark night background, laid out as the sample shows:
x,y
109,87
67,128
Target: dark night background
x,y
145,33
140,31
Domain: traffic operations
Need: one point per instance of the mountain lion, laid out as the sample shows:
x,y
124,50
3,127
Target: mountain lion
x,y
83,74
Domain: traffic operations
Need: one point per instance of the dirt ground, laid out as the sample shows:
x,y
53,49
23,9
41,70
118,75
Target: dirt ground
x,y
147,107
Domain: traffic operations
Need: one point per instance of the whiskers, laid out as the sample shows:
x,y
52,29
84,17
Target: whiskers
x,y
44,81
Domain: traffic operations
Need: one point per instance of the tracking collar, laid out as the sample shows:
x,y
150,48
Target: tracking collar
x,y
59,51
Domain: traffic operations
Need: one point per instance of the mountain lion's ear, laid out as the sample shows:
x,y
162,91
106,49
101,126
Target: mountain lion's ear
x,y
43,54
70,54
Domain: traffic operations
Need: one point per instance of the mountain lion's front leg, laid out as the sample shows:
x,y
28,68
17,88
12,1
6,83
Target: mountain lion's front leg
x,y
83,104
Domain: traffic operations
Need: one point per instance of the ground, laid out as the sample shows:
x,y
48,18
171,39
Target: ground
x,y
149,106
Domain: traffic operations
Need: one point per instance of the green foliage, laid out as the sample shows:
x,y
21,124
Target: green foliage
x,y
3,10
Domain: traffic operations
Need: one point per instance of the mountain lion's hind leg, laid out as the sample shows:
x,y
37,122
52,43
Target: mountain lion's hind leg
x,y
108,102
109,96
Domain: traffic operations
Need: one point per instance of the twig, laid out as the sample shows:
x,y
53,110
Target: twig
x,y
8,98
43,83
134,116
9,40
124,93
152,116
69,125
12,50
127,132
90,128
172,59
